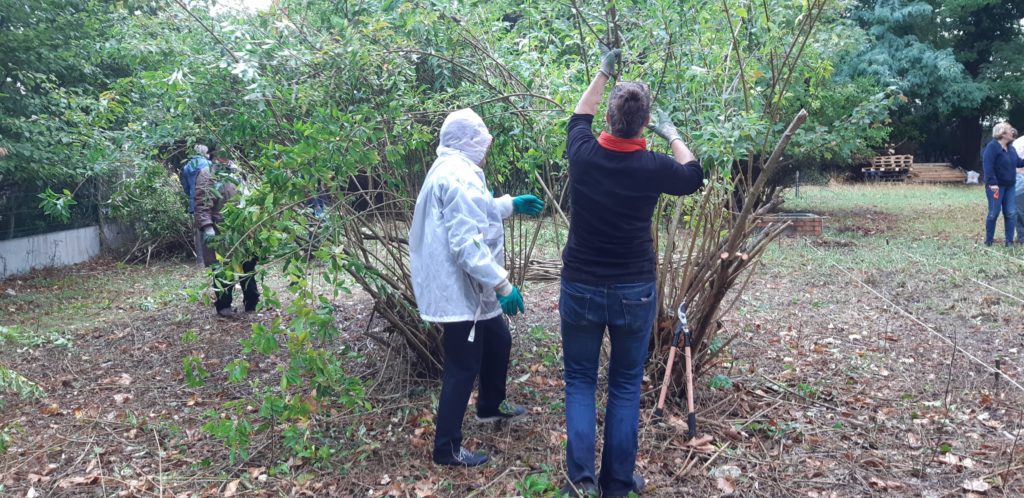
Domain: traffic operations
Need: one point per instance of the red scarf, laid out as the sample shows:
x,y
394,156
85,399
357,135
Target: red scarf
x,y
616,144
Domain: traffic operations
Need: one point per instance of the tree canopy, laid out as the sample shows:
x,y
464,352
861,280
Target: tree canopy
x,y
957,62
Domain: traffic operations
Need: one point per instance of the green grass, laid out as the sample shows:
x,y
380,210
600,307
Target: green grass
x,y
900,235
922,210
891,197
59,302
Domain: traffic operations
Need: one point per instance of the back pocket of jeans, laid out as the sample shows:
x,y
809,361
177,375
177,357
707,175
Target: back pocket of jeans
x,y
573,307
639,308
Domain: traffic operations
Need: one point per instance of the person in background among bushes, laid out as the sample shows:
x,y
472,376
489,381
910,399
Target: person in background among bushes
x,y
609,272
189,171
215,186
1018,146
999,163
456,246
198,162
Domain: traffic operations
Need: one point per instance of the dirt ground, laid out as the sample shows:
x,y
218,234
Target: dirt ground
x,y
862,367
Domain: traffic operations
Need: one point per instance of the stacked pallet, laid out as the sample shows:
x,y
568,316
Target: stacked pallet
x,y
937,173
889,168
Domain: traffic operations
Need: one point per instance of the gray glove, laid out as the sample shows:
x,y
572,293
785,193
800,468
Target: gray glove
x,y
609,58
664,127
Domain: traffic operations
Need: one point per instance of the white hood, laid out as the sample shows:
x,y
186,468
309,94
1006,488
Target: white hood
x,y
464,133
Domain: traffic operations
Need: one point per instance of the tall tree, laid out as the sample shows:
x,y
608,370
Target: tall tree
x,y
54,67
958,62
988,39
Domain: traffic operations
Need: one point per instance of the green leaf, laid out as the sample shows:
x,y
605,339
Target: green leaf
x,y
720,381
195,374
237,370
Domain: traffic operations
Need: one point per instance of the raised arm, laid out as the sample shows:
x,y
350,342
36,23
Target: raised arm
x,y
665,129
595,92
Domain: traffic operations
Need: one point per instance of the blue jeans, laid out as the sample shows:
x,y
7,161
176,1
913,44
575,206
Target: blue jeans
x,y
627,310
1007,202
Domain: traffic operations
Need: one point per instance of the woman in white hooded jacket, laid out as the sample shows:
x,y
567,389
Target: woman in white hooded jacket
x,y
456,248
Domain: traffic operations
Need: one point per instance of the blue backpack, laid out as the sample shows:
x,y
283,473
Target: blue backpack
x,y
189,172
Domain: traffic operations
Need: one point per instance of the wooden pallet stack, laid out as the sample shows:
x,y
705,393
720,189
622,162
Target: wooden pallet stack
x,y
937,173
889,168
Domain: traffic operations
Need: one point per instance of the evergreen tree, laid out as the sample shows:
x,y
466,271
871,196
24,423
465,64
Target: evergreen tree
x,y
958,62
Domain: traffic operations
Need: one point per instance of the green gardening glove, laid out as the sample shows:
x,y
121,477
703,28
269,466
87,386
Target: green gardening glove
x,y
663,127
512,303
609,59
527,204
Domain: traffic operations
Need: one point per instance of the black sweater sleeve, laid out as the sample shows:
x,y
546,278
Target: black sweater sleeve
x,y
678,179
581,134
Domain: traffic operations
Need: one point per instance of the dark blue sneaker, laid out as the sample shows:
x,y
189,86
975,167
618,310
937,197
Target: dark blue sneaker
x,y
506,411
638,487
582,489
464,458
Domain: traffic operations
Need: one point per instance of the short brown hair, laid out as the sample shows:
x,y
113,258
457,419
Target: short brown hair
x,y
629,106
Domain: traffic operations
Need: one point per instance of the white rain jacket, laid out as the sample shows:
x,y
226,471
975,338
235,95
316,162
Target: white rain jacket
x,y
457,240
1018,145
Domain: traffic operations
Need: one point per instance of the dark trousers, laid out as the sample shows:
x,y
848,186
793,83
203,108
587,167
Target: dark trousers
x,y
224,286
486,357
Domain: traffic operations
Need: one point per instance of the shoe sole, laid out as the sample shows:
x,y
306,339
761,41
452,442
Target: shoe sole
x,y
461,464
498,418
580,492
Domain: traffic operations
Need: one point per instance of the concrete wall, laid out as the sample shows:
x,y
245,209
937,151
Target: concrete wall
x,y
52,249
115,235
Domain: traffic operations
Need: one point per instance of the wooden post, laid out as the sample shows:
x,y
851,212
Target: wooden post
x,y
995,383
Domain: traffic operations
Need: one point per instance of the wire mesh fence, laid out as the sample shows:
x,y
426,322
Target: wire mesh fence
x,y
22,216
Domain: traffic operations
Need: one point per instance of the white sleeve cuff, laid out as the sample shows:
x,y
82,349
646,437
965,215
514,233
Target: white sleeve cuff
x,y
504,288
504,204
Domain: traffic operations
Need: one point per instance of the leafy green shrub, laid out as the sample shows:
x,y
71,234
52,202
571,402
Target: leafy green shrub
x,y
6,438
235,432
535,485
13,382
150,200
195,374
338,93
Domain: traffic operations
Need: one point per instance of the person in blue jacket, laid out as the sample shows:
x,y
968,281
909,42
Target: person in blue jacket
x,y
999,163
188,174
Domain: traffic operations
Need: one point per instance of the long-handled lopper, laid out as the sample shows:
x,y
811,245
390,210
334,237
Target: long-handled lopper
x,y
681,330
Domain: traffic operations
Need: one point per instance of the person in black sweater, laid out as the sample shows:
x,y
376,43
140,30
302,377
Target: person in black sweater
x,y
609,272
